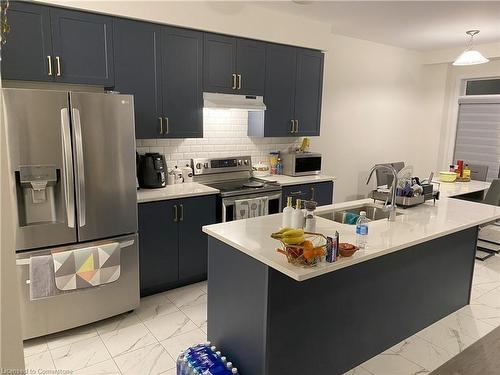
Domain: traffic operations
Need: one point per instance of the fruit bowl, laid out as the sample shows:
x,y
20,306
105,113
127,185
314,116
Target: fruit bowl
x,y
306,254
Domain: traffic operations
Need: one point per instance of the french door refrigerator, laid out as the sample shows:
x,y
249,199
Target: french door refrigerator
x,y
72,160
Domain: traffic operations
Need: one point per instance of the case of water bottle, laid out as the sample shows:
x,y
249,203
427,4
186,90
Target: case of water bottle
x,y
204,359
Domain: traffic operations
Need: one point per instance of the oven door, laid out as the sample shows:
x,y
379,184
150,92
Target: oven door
x,y
228,204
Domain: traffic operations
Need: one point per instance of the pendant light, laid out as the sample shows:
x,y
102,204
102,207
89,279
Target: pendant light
x,y
470,56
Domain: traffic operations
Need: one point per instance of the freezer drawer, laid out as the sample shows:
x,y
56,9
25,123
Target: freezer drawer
x,y
61,312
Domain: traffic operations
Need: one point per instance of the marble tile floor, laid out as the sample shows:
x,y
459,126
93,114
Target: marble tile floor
x,y
148,340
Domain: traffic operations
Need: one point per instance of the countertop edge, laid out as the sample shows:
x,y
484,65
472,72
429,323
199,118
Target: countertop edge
x,y
176,196
300,180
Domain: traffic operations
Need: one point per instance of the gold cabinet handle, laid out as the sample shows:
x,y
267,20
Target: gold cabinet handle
x,y
176,215
181,218
49,64
234,81
296,126
239,81
293,126
168,128
161,124
58,62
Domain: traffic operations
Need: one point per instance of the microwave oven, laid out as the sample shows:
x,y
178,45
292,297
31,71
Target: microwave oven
x,y
301,163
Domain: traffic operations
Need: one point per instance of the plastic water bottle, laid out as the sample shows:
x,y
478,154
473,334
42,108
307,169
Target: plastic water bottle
x,y
362,230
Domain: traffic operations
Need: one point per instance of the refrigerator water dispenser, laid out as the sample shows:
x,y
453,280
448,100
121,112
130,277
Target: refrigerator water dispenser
x,y
37,190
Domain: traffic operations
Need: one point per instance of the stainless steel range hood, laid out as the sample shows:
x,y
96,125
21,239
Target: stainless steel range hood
x,y
231,101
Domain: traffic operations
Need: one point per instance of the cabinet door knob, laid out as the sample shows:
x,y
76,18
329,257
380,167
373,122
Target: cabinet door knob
x,y
181,218
49,64
312,194
58,63
234,82
161,124
175,213
239,81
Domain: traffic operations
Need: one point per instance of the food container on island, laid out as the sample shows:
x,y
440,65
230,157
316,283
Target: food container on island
x,y
445,176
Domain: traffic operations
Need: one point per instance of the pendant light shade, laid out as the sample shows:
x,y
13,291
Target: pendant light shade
x,y
470,56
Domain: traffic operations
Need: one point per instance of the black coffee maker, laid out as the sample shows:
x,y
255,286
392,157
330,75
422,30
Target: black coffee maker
x,y
152,171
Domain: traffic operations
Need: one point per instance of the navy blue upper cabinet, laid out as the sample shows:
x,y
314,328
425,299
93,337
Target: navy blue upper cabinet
x,y
219,64
233,65
308,90
280,90
293,88
250,67
83,47
182,84
138,72
27,55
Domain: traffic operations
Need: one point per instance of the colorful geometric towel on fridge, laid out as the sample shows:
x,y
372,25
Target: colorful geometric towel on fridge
x,y
87,267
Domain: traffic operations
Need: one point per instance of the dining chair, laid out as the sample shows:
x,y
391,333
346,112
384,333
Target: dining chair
x,y
478,172
489,236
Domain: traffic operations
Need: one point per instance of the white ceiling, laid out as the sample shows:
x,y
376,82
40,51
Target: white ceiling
x,y
419,25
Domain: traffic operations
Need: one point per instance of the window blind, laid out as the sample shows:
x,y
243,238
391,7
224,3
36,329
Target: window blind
x,y
478,132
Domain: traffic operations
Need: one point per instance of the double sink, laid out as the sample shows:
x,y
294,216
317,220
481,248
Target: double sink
x,y
373,213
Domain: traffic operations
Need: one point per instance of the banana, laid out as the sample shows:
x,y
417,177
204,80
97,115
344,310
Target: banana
x,y
279,234
293,233
293,240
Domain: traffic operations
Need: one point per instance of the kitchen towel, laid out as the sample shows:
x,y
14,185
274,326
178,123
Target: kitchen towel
x,y
247,208
87,267
42,280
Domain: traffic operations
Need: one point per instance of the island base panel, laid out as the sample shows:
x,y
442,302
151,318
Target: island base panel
x,y
270,324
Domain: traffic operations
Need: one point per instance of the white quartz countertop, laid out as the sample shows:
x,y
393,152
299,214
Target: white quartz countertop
x,y
185,190
450,189
289,180
413,226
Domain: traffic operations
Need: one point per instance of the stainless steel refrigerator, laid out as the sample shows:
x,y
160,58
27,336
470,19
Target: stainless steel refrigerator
x,y
72,158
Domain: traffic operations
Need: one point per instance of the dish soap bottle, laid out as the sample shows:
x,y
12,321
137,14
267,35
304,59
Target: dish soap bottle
x,y
286,220
298,216
466,172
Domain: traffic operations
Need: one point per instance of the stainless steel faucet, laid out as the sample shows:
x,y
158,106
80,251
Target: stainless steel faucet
x,y
392,206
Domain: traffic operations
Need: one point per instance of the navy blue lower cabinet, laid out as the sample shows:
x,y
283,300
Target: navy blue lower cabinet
x,y
321,192
196,212
172,246
158,246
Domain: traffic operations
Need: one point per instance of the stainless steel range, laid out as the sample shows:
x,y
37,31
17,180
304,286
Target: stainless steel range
x,y
241,195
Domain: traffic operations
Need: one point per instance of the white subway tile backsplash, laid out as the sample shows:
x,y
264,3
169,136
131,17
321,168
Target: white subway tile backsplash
x,y
224,134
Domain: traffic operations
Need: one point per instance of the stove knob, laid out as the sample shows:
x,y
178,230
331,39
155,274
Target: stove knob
x,y
239,162
246,162
205,165
198,165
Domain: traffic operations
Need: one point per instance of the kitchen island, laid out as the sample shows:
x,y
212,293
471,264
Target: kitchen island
x,y
273,318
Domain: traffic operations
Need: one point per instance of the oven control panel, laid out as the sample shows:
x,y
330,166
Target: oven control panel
x,y
220,165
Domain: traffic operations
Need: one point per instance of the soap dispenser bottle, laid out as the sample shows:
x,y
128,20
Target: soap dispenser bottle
x,y
286,220
298,216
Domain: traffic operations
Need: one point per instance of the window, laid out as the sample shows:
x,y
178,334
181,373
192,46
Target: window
x,y
478,132
483,87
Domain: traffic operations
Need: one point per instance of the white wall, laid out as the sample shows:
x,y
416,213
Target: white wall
x,y
371,94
